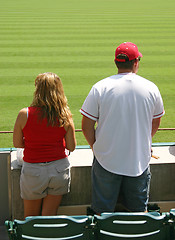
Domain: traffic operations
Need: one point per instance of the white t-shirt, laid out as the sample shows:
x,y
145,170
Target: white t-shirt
x,y
124,106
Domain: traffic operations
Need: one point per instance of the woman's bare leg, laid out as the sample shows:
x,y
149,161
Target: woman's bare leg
x,y
32,207
51,204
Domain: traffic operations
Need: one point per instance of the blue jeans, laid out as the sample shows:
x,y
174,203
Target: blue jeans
x,y
106,187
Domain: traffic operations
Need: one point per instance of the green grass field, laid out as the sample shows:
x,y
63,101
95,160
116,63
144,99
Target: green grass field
x,y
76,39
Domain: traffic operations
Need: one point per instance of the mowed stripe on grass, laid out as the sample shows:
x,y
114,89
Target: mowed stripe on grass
x,y
77,40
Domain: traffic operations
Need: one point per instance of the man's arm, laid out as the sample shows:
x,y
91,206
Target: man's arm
x,y
88,128
155,126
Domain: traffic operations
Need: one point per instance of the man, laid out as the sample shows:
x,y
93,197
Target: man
x,y
127,109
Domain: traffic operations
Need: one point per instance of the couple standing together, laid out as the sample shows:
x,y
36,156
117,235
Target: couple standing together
x,y
121,114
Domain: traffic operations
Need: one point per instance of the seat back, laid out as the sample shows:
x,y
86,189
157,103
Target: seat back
x,y
172,217
108,226
55,227
133,226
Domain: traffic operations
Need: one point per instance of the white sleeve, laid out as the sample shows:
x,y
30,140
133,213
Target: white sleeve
x,y
159,108
90,107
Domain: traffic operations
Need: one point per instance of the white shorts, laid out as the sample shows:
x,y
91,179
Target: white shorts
x,y
40,179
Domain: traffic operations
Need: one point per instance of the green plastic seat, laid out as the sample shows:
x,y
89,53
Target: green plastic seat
x,y
50,228
172,216
108,226
135,226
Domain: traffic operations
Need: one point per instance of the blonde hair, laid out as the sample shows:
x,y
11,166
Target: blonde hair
x,y
49,96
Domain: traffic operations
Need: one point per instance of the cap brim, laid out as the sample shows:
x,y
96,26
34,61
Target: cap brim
x,y
140,55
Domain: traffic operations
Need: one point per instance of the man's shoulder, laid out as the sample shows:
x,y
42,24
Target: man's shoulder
x,y
145,81
104,81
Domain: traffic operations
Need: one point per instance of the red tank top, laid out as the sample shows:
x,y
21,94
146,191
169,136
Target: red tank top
x,y
42,143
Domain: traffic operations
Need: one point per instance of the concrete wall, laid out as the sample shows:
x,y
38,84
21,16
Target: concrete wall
x,y
80,193
162,184
5,187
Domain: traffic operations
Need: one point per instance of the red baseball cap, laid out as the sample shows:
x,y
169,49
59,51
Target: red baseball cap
x,y
129,49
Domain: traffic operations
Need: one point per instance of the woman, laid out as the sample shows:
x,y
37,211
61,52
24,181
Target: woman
x,y
45,130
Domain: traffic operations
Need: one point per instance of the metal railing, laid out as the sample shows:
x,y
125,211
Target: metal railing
x,y
80,130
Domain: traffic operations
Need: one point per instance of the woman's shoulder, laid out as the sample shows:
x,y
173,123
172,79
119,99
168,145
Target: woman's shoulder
x,y
22,117
23,112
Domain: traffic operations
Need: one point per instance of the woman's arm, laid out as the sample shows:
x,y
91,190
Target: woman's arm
x,y
21,120
70,137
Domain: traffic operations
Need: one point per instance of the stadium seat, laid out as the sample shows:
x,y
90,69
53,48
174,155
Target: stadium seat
x,y
50,227
135,226
108,226
172,217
